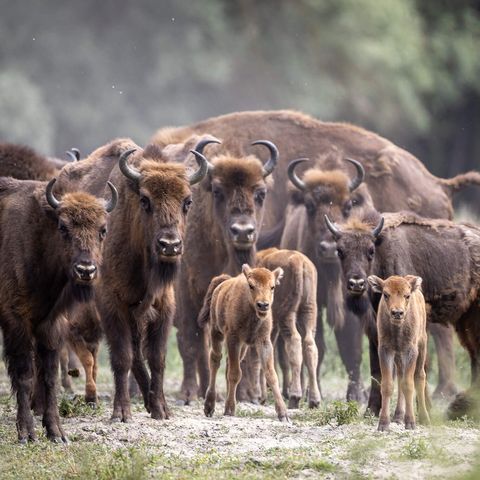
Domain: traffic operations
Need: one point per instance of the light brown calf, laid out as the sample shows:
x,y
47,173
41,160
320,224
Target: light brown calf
x,y
402,342
238,310
295,318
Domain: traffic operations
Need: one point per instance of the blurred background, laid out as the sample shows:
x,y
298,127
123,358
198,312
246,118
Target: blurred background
x,y
81,73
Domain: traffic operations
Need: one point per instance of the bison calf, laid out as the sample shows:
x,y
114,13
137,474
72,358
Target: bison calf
x,y
238,310
402,341
295,318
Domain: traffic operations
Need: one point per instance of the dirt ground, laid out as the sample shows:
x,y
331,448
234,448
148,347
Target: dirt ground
x,y
254,444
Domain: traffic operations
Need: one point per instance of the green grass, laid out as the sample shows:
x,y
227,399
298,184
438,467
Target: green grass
x,y
75,406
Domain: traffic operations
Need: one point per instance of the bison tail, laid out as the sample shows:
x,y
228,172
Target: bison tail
x,y
271,238
204,315
455,184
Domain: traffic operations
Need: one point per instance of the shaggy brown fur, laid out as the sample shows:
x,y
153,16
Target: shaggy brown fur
x,y
238,311
33,301
446,255
402,342
232,195
393,175
24,163
295,318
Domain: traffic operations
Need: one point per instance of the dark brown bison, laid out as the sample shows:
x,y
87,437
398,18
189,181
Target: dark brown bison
x,y
238,311
50,255
226,217
295,319
446,255
135,298
395,178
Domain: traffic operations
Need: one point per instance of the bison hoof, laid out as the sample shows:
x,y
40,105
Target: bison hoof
x,y
465,404
58,440
22,440
410,425
383,426
398,418
313,403
283,417
74,372
424,420
293,401
209,410
445,391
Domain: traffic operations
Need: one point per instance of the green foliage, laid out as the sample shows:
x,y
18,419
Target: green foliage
x,y
334,413
77,407
416,449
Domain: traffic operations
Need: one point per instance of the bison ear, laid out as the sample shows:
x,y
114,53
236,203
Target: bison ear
x,y
415,282
278,272
246,269
376,283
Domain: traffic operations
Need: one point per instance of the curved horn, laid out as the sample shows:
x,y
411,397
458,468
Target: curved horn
x,y
71,156
113,201
355,183
300,184
129,172
335,231
203,164
376,231
269,167
201,145
76,152
52,201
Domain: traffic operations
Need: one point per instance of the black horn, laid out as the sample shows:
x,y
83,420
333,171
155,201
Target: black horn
x,y
129,172
113,200
376,231
201,145
335,231
202,171
52,201
76,152
300,184
269,167
71,156
356,182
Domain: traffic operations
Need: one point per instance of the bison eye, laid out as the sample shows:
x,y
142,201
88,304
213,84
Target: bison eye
x,y
145,203
310,208
407,297
103,233
340,253
371,252
251,286
187,203
217,194
62,228
386,296
347,208
260,196
272,289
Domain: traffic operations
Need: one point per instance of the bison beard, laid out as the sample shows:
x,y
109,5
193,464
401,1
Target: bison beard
x,y
162,273
358,304
244,256
81,293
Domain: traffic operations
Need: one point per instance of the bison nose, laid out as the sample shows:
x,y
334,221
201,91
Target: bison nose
x,y
263,306
356,284
85,271
169,246
243,232
396,313
327,249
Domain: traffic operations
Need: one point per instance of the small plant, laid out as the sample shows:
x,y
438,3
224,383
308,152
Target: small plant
x,y
341,413
77,407
416,449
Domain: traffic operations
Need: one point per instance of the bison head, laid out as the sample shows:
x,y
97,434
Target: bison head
x,y
82,226
159,201
261,284
356,244
331,193
238,188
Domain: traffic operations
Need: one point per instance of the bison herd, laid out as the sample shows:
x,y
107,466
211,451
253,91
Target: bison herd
x,y
129,240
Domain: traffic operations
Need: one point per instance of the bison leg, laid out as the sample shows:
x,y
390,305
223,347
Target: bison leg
x,y
64,360
215,359
234,374
157,337
406,370
187,347
375,398
139,370
19,360
88,362
420,385
283,363
349,340
120,343
386,366
320,343
48,360
249,389
399,415
307,318
293,348
443,337
265,350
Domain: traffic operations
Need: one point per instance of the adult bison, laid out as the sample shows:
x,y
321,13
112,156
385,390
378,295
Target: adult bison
x,y
396,179
446,255
220,237
50,254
